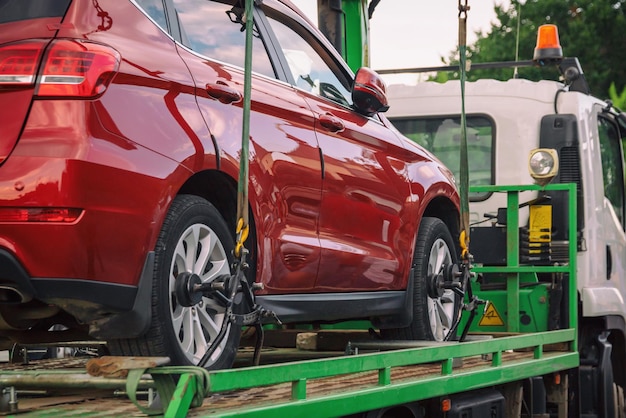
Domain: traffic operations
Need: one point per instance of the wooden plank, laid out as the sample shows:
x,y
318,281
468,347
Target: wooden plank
x,y
118,366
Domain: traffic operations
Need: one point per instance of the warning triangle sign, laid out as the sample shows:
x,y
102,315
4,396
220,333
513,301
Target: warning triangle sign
x,y
491,317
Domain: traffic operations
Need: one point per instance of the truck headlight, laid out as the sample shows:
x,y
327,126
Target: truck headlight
x,y
543,165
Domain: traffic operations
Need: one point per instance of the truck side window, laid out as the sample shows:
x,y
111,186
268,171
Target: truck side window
x,y
612,168
216,30
312,68
442,136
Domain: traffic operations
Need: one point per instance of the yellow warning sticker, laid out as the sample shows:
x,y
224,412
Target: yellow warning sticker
x,y
491,317
540,223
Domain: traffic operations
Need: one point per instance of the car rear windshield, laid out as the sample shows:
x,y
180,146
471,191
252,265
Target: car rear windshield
x,y
12,10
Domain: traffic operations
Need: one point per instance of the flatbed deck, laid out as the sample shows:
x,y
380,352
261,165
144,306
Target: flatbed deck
x,y
326,384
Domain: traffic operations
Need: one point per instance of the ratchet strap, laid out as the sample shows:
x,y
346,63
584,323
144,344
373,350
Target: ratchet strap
x,y
242,229
464,237
168,381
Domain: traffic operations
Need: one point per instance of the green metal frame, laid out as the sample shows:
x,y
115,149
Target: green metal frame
x,y
389,392
357,31
183,388
514,269
346,25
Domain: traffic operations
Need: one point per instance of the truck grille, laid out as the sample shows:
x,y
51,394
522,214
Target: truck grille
x,y
569,170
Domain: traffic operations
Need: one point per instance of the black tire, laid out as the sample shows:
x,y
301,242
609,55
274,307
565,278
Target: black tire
x,y
433,315
194,238
618,401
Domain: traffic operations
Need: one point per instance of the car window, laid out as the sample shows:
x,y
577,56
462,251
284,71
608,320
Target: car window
x,y
154,9
217,30
12,11
442,136
312,68
612,171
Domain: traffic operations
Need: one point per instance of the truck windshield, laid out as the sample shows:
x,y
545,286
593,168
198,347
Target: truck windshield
x,y
442,136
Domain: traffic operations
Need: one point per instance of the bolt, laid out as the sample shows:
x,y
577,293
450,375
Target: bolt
x,y
12,399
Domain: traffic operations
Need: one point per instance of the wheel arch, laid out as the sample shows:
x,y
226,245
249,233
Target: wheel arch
x,y
220,190
617,338
590,327
216,187
442,208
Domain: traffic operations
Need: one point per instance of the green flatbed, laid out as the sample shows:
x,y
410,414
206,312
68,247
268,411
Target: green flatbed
x,y
367,376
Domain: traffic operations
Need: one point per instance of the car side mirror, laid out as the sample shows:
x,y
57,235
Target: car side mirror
x,y
369,93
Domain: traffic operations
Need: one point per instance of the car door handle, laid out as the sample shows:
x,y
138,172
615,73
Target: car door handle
x,y
223,93
331,122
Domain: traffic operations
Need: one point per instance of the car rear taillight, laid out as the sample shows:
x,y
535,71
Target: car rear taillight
x,y
69,68
19,62
62,215
77,68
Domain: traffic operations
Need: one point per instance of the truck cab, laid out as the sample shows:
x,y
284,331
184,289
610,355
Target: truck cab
x,y
506,120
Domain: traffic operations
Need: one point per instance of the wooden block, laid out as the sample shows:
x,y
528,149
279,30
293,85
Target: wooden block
x,y
306,341
118,366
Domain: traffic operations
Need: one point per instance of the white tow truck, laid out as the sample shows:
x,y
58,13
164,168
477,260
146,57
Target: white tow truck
x,y
566,134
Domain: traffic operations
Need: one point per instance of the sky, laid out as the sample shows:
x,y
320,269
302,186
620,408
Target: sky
x,y
417,33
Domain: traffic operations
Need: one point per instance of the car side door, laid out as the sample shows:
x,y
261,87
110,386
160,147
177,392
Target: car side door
x,y
366,243
285,169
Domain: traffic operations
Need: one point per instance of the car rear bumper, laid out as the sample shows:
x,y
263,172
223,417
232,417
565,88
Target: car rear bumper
x,y
64,159
112,310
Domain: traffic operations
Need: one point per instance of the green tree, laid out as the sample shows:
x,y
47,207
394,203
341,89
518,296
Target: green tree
x,y
618,99
591,30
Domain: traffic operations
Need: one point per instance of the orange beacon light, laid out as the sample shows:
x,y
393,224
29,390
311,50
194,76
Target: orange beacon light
x,y
548,49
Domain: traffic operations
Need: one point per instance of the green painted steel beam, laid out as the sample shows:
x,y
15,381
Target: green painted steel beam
x,y
224,380
346,25
513,269
182,397
357,33
512,257
521,188
573,248
522,269
408,391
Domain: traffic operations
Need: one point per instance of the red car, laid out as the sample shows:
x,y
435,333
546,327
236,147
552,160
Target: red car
x,y
120,142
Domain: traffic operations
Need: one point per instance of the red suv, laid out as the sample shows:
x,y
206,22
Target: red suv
x,y
120,142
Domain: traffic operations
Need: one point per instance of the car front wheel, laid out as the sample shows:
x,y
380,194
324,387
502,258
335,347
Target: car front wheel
x,y
435,308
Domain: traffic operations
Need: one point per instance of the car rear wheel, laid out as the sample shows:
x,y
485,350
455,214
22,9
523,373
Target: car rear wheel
x,y
434,308
194,240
